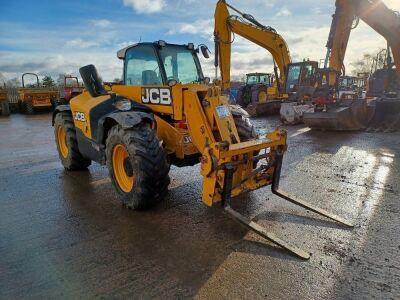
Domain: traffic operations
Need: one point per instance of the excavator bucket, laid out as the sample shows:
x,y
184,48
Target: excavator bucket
x,y
353,115
386,116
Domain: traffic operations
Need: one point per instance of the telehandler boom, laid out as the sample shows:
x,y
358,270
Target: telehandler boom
x,y
166,112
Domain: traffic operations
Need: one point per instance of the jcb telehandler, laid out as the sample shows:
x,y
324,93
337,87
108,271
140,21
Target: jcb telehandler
x,y
166,112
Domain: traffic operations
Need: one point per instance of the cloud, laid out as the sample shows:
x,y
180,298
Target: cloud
x,y
284,12
102,23
306,32
14,64
201,27
79,43
145,6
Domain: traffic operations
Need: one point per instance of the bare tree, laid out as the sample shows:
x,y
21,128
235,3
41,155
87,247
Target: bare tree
x,y
370,62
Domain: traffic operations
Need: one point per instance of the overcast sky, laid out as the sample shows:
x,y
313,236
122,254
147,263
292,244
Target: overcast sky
x,y
52,37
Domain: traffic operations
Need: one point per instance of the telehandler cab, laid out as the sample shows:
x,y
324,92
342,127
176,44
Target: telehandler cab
x,y
166,112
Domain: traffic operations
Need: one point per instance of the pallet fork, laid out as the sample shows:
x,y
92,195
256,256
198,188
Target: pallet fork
x,y
229,169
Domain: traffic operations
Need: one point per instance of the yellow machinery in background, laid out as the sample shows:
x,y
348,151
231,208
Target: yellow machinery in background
x,y
36,97
357,114
167,112
293,81
4,105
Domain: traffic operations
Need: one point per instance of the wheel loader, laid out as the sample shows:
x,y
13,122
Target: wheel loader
x,y
166,112
36,97
383,114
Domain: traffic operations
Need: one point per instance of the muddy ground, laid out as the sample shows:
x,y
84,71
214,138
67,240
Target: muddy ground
x,y
66,235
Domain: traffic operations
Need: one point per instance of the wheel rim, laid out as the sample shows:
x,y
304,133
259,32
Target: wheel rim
x,y
62,141
119,158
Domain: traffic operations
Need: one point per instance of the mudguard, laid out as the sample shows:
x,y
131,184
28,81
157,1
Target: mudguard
x,y
58,109
126,119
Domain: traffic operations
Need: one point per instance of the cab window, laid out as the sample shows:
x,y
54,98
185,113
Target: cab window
x,y
141,67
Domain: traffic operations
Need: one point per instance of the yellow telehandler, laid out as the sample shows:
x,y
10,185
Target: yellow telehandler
x,y
166,112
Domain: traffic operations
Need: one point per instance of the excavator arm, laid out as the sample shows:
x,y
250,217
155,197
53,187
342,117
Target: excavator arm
x,y
226,25
350,112
376,14
384,21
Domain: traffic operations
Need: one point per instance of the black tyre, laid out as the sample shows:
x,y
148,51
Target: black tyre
x,y
138,165
244,127
5,108
67,144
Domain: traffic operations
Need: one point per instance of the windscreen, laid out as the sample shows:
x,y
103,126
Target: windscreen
x,y
252,79
293,77
180,64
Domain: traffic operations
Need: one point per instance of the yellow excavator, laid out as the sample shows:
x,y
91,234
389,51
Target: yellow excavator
x,y
334,113
166,112
293,81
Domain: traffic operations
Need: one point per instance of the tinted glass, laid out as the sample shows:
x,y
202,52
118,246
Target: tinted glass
x,y
251,79
179,64
293,77
141,67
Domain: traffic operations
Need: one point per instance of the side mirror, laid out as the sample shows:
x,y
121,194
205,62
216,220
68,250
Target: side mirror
x,y
205,51
92,81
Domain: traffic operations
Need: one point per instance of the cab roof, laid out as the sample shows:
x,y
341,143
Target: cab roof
x,y
121,53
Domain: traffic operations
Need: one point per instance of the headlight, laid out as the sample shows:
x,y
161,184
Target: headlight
x,y
123,105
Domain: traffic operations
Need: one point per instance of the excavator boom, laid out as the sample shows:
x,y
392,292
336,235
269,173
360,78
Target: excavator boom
x,y
356,113
384,21
247,27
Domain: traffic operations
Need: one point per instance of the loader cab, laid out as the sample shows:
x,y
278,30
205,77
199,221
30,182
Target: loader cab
x,y
160,63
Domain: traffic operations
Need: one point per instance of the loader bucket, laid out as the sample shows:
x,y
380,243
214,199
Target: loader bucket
x,y
345,117
386,117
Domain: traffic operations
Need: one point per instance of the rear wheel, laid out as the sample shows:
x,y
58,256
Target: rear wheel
x,y
5,108
67,144
137,165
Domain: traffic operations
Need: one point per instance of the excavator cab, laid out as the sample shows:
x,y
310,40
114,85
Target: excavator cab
x,y
300,80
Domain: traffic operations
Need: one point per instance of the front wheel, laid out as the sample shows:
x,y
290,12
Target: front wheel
x,y
138,165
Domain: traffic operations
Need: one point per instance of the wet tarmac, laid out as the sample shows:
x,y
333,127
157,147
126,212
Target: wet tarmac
x,y
65,235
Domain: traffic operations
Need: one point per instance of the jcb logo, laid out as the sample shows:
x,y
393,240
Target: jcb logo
x,y
156,96
80,116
